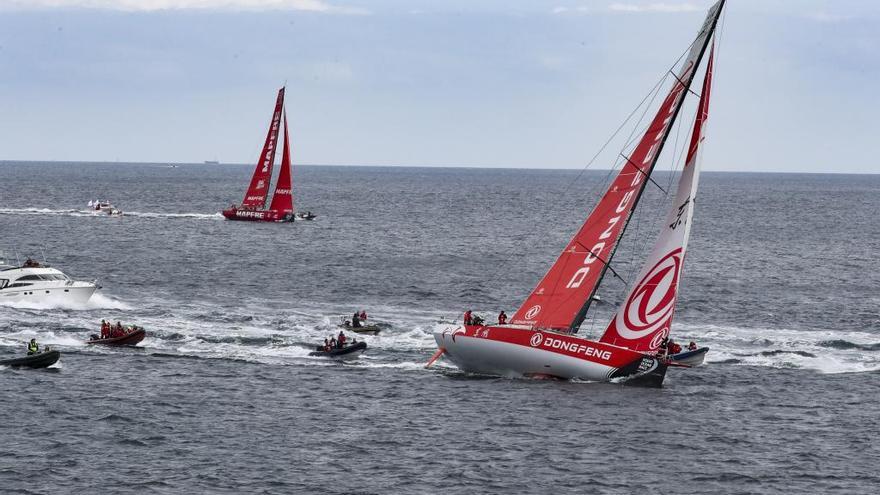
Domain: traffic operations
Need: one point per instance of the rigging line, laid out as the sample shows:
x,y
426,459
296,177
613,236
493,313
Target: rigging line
x,y
655,90
629,140
644,173
653,95
689,90
604,182
607,265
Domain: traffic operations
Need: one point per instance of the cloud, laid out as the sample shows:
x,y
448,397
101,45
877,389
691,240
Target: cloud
x,y
571,10
654,7
821,16
158,5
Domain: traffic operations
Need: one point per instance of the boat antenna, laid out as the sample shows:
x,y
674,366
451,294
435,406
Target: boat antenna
x,y
43,254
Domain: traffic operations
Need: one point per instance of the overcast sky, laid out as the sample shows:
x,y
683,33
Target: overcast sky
x,y
495,83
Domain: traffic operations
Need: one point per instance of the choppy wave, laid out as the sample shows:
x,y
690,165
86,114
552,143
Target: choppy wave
x,y
272,333
828,351
91,213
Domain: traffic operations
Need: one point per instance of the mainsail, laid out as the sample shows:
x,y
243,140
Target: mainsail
x,y
645,317
258,191
562,297
282,199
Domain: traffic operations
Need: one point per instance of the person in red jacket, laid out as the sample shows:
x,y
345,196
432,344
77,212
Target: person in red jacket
x,y
467,317
502,318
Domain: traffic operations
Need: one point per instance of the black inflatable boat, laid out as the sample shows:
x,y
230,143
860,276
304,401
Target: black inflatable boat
x,y
347,352
41,360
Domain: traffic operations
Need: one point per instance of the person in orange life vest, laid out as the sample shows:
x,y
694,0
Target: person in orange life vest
x,y
674,348
502,318
467,317
363,315
340,341
105,329
332,342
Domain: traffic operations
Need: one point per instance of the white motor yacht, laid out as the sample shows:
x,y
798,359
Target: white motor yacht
x,y
38,283
104,207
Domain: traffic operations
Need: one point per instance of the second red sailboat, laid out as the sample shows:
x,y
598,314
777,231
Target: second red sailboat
x,y
253,207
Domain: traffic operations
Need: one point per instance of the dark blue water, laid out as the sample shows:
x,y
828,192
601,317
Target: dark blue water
x,y
781,281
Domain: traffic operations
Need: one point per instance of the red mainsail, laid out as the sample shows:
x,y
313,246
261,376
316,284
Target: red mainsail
x,y
282,199
258,191
560,299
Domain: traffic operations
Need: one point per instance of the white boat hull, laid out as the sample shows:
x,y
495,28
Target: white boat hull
x,y
77,294
690,358
511,352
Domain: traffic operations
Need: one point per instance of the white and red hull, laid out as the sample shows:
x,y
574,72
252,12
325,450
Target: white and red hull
x,y
509,350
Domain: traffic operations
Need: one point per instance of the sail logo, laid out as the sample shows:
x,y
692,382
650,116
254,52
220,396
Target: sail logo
x,y
536,339
652,302
533,312
662,334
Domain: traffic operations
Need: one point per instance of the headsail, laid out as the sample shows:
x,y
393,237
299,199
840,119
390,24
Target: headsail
x,y
282,199
646,315
562,297
258,191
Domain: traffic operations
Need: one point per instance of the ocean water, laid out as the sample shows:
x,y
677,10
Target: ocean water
x,y
781,281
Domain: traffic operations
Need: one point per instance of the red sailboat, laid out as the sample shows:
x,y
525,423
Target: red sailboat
x,y
253,207
539,340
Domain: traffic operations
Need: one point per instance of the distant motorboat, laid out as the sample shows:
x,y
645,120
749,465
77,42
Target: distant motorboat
x,y
104,207
36,282
212,162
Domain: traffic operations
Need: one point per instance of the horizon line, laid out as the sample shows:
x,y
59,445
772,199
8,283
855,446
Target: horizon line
x,y
479,167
